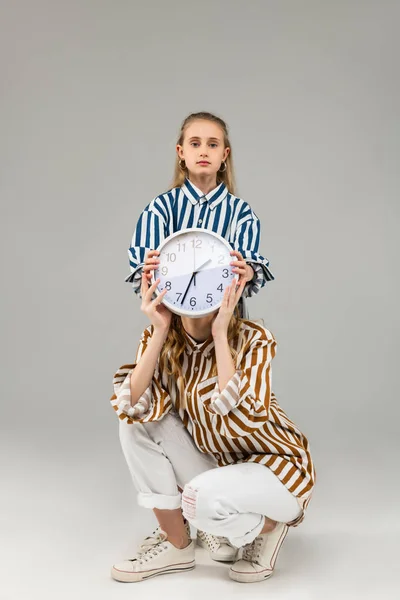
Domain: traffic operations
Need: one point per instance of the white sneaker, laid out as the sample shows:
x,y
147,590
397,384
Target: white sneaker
x,y
259,558
219,548
156,556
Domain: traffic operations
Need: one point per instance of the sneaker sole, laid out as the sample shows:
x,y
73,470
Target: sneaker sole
x,y
248,577
217,557
127,577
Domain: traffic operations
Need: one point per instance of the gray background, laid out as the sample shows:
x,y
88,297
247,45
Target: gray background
x,y
93,94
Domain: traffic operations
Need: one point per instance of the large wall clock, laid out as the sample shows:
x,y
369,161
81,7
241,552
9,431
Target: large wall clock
x,y
194,268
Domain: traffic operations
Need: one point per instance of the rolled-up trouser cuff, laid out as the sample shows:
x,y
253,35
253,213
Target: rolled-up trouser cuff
x,y
150,500
248,537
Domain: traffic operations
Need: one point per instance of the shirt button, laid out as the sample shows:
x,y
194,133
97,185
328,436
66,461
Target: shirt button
x,y
195,422
200,221
188,394
196,369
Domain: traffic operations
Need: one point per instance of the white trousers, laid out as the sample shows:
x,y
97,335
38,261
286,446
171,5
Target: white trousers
x,y
230,501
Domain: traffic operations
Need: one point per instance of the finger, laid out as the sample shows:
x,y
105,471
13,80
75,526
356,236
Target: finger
x,y
151,264
152,288
152,253
159,298
239,289
235,284
239,264
143,288
238,254
148,277
144,283
225,296
228,294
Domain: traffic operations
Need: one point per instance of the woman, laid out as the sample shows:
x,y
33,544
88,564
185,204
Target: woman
x,y
198,416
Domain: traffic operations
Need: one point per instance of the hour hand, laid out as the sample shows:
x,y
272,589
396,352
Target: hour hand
x,y
203,265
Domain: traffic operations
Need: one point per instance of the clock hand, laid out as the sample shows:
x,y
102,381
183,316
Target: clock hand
x,y
186,291
203,265
192,278
194,263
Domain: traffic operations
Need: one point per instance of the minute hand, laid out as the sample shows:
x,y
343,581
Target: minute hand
x,y
186,291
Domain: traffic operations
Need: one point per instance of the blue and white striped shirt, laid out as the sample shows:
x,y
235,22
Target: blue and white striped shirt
x,y
187,206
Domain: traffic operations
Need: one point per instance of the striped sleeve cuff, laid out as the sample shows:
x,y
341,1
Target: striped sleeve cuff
x,y
153,404
259,280
121,400
221,403
135,278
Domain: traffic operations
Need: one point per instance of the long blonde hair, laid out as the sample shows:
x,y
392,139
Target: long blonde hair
x,y
226,176
171,357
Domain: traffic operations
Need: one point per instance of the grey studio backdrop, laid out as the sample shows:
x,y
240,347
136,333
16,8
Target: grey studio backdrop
x,y
93,93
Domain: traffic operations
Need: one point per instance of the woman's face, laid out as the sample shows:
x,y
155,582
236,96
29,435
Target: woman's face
x,y
203,148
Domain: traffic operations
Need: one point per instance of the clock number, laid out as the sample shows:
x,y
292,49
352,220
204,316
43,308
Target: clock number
x,y
168,285
183,247
179,294
171,256
164,271
220,288
193,301
209,298
225,271
196,243
221,259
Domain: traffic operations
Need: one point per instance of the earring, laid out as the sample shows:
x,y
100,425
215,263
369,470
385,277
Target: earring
x,y
223,171
180,165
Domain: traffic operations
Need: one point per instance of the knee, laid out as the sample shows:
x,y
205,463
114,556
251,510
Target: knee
x,y
200,505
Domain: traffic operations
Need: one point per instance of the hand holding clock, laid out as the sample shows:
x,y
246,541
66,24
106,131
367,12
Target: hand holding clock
x,y
231,297
241,268
151,263
160,316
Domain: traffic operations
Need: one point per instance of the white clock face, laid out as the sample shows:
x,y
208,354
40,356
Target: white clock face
x,y
194,268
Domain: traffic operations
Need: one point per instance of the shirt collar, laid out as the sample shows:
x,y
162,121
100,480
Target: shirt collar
x,y
193,346
195,195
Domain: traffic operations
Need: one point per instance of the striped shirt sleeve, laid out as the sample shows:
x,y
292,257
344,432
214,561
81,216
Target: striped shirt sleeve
x,y
155,401
242,406
247,240
148,235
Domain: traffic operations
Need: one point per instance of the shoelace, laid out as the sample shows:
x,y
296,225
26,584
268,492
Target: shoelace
x,y
223,540
251,552
151,547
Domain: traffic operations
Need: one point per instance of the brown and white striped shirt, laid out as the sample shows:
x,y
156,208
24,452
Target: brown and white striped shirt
x,y
243,423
